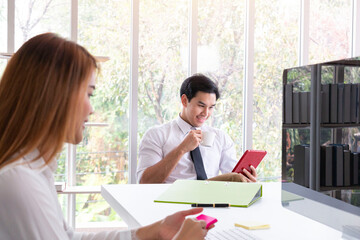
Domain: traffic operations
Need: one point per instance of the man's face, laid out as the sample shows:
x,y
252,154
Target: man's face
x,y
199,109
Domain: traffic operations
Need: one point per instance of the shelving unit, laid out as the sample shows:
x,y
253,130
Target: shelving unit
x,y
310,78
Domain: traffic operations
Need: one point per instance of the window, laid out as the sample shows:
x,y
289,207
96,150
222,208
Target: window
x,y
3,26
330,30
221,57
102,157
35,17
163,52
3,33
276,41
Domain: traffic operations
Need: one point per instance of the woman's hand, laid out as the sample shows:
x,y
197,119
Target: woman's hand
x,y
191,229
176,225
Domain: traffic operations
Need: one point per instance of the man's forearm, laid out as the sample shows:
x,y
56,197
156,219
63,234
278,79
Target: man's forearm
x,y
159,172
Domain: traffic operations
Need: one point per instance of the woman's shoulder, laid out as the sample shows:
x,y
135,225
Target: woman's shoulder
x,y
27,199
18,178
25,175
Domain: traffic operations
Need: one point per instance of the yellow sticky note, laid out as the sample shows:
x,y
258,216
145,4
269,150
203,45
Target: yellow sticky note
x,y
251,225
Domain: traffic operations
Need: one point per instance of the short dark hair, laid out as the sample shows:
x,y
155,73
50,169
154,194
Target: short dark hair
x,y
198,83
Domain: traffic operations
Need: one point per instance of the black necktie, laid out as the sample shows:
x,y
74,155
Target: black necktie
x,y
198,163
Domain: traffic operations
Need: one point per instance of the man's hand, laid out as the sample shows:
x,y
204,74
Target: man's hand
x,y
160,171
191,141
237,177
250,176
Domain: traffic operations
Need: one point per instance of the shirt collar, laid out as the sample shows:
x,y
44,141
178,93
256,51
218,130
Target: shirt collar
x,y
39,164
184,126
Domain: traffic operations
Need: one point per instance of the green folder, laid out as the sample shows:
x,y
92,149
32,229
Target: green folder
x,y
237,194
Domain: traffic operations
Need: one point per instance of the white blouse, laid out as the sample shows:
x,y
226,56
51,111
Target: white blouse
x,y
29,207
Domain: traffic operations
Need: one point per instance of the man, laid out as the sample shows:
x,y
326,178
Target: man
x,y
171,151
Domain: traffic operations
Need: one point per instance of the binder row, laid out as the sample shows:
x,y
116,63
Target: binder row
x,y
297,106
339,167
340,103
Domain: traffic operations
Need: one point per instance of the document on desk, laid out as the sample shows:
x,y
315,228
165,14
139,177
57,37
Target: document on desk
x,y
237,194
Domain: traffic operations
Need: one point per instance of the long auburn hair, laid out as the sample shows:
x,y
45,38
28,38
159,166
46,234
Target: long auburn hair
x,y
39,96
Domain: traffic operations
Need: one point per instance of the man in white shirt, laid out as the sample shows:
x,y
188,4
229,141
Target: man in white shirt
x,y
166,152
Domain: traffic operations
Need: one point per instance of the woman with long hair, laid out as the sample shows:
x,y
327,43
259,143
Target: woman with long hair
x,y
44,102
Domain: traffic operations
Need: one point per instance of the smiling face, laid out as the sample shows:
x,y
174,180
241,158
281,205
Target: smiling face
x,y
85,109
199,109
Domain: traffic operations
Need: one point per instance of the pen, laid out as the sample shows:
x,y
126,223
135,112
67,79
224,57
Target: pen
x,y
210,205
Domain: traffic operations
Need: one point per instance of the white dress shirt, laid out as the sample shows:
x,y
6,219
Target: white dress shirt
x,y
29,207
161,140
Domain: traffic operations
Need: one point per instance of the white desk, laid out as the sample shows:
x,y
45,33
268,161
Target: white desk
x,y
135,205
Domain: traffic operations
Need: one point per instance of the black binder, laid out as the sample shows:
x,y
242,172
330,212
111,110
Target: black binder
x,y
338,163
296,107
333,103
288,103
325,103
340,103
304,107
301,164
353,102
355,168
347,168
326,162
347,105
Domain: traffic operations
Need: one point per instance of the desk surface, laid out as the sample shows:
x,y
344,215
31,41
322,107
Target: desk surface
x,y
135,205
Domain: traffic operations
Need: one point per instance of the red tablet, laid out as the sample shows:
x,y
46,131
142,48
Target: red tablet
x,y
250,157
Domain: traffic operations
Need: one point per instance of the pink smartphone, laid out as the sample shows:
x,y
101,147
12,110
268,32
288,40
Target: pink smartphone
x,y
250,157
209,220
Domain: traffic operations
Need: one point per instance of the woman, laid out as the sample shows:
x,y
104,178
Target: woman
x,y
44,102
